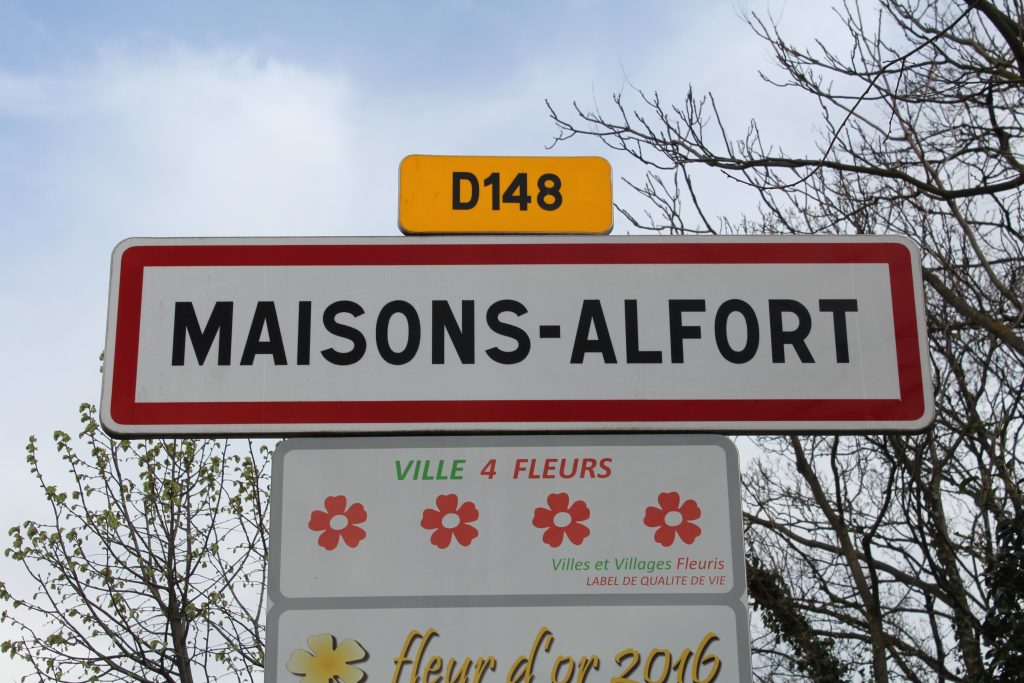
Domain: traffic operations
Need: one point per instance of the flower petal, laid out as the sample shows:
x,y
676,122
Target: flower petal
x,y
558,502
350,674
356,514
329,539
335,504
447,503
665,535
352,535
465,533
320,520
299,663
543,518
577,532
351,650
579,511
468,512
431,519
668,501
688,531
554,536
654,517
442,538
322,645
690,510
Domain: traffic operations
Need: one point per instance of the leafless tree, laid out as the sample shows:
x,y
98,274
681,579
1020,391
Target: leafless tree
x,y
151,565
886,557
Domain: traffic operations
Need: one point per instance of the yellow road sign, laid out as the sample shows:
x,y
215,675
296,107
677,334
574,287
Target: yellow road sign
x,y
465,194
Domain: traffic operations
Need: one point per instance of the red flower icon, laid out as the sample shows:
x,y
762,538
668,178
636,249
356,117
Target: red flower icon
x,y
338,522
673,518
561,520
451,519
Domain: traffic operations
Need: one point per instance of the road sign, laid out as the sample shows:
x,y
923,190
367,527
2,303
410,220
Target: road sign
x,y
594,544
452,194
289,336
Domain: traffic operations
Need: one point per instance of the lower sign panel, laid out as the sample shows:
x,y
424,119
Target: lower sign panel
x,y
596,644
584,515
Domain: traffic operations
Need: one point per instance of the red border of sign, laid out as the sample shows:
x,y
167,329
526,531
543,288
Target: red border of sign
x,y
910,407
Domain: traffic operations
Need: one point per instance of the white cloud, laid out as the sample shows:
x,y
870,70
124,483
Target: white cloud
x,y
183,143
21,96
187,142
215,142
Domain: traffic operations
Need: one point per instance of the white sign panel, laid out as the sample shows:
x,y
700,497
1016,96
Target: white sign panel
x,y
514,334
595,644
567,558
531,515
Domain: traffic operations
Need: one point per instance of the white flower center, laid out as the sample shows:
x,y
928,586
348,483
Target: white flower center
x,y
562,519
450,520
339,522
674,518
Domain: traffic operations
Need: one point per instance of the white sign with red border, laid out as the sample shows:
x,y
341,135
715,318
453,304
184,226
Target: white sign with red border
x,y
290,336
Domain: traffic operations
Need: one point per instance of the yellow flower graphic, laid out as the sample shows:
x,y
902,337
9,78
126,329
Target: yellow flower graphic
x,y
329,661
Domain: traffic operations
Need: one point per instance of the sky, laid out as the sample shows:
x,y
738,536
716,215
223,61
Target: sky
x,y
129,119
